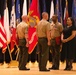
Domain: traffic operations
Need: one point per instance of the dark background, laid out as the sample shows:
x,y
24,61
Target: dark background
x,y
48,4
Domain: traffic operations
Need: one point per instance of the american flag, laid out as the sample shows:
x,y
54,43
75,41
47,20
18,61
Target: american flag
x,y
3,41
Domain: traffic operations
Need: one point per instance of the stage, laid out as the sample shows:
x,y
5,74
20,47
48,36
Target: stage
x,y
12,69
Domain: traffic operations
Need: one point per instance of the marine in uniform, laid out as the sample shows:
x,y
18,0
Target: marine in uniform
x,y
43,33
55,31
22,33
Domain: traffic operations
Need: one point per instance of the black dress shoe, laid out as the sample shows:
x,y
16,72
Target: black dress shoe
x,y
46,70
51,68
24,69
68,68
65,68
54,68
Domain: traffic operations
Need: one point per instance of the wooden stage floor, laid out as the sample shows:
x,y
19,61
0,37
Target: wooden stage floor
x,y
13,69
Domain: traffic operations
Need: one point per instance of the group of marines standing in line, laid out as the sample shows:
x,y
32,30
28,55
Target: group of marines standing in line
x,y
50,37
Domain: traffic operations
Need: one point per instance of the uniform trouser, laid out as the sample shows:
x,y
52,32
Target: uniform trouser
x,y
23,54
55,50
43,53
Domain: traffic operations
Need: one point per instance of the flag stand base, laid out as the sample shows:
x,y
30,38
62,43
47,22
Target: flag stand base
x,y
5,65
13,63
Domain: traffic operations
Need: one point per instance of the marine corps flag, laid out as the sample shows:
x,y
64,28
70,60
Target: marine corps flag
x,y
34,19
34,9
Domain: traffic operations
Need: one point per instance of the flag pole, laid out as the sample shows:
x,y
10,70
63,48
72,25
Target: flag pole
x,y
9,53
18,50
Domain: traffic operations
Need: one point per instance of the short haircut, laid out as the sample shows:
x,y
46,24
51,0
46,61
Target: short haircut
x,y
24,16
56,16
44,13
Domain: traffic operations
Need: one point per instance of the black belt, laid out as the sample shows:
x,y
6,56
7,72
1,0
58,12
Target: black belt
x,y
52,38
42,37
22,39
